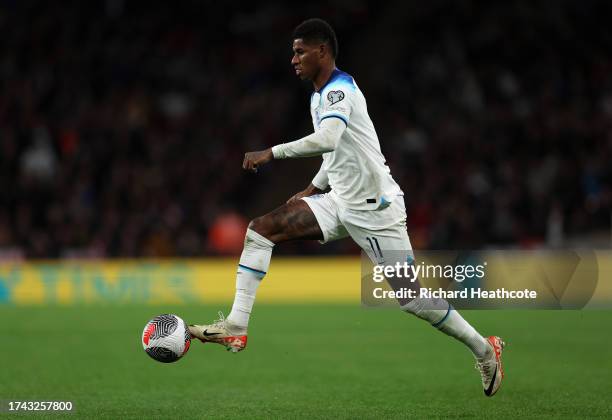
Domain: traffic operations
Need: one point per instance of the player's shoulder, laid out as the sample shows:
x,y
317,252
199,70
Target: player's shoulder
x,y
340,85
339,80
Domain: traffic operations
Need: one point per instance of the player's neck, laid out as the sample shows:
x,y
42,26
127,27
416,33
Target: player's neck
x,y
323,76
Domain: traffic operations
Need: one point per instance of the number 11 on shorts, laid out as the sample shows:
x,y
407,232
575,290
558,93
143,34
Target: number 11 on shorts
x,y
376,252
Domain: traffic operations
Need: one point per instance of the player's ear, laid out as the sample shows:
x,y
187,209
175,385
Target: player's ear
x,y
322,50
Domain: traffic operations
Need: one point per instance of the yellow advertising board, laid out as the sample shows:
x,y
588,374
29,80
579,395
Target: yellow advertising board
x,y
174,281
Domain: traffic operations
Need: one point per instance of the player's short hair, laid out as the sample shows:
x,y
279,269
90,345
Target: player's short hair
x,y
317,30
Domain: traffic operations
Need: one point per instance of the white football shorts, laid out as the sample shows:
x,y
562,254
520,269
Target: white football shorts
x,y
375,231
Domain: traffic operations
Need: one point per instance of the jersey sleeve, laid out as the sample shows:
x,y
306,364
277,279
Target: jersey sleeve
x,y
320,180
337,100
322,141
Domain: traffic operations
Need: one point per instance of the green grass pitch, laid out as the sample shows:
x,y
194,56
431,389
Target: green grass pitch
x,y
306,361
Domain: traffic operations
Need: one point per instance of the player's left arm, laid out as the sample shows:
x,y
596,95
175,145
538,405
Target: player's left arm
x,y
322,141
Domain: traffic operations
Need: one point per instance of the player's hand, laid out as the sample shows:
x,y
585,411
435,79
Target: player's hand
x,y
310,190
254,159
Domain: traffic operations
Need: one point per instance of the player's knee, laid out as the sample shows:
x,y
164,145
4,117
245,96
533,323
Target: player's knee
x,y
268,227
261,226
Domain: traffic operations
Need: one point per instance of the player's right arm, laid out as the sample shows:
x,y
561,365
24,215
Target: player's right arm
x,y
322,141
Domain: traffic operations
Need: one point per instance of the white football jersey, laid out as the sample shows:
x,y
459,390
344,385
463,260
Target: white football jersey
x,y
356,170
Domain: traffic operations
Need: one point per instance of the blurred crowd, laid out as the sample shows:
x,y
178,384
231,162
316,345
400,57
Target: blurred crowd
x,y
123,124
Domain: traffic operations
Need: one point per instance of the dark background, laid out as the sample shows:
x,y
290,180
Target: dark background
x,y
123,124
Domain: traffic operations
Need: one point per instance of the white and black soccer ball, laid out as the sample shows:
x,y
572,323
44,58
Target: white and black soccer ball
x,y
166,338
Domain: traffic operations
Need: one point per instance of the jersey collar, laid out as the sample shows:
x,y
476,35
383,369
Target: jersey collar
x,y
334,74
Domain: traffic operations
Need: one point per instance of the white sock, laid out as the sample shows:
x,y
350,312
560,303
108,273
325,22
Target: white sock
x,y
441,315
253,266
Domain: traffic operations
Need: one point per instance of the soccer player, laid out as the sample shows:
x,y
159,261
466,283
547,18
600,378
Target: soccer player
x,y
364,202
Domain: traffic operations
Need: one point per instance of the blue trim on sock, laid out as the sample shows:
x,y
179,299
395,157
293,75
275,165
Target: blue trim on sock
x,y
439,323
252,270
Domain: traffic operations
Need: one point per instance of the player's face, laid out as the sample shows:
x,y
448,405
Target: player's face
x,y
305,59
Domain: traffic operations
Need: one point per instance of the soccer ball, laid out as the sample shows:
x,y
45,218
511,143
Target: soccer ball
x,y
166,338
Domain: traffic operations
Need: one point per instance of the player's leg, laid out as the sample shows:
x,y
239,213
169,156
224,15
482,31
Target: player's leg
x,y
290,221
295,220
390,245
